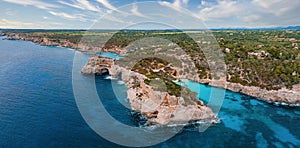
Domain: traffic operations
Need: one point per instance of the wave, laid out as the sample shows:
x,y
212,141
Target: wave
x,y
120,82
110,77
283,104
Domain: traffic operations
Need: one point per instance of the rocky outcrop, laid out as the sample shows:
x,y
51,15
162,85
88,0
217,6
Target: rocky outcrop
x,y
162,108
282,96
98,65
156,107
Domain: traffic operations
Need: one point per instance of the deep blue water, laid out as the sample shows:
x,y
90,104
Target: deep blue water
x,y
38,109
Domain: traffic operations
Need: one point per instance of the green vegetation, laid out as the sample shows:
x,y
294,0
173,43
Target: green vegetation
x,y
269,59
160,80
265,58
163,80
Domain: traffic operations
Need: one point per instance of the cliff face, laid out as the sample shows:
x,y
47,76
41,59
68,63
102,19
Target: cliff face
x,y
49,41
44,41
281,96
162,108
98,65
157,107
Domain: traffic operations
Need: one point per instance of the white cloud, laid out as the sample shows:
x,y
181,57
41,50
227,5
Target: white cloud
x,y
110,7
176,5
80,17
135,11
106,4
215,13
203,2
4,23
63,15
82,4
35,3
254,13
185,1
222,9
277,7
265,4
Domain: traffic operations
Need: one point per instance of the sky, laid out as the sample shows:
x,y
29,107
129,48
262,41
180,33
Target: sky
x,y
115,14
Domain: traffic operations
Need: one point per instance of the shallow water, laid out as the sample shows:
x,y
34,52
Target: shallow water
x,y
37,107
110,55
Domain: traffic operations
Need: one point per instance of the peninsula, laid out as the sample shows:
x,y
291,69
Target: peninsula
x,y
158,101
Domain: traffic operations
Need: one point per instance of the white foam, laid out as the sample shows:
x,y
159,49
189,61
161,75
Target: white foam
x,y
109,77
120,82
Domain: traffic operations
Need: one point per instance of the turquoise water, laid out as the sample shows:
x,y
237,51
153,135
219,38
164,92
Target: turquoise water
x,y
38,109
242,113
110,55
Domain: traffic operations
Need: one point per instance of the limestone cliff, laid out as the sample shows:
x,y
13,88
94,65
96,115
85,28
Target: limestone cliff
x,y
98,65
157,107
45,40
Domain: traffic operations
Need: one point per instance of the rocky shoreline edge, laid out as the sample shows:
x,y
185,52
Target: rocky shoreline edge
x,y
282,96
45,41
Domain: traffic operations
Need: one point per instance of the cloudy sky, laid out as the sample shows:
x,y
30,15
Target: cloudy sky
x,y
81,14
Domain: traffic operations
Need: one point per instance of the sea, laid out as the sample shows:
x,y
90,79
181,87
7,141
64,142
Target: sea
x,y
38,107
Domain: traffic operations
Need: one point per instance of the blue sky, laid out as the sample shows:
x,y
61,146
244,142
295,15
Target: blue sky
x,y
82,14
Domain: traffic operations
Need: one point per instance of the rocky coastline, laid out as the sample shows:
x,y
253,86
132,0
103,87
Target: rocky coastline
x,y
43,41
46,41
282,96
156,107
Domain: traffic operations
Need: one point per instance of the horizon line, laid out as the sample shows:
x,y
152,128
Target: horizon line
x,y
213,28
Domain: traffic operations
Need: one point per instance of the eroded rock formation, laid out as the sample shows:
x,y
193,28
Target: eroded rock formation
x,y
98,65
156,107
